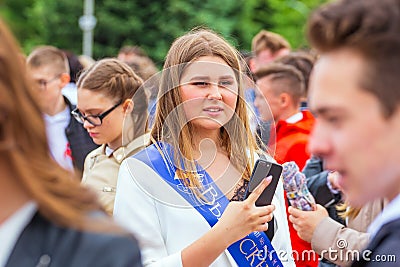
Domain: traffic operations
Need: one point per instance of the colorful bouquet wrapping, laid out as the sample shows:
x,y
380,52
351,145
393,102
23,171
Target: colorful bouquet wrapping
x,y
295,185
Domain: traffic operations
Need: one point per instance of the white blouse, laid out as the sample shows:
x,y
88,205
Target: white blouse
x,y
165,223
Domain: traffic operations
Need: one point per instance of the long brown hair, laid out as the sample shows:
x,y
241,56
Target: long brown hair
x,y
170,122
24,147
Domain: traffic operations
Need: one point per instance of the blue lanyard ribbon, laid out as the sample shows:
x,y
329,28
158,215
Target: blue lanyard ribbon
x,y
253,250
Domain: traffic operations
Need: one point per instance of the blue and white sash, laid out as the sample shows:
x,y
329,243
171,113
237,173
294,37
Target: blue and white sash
x,y
253,250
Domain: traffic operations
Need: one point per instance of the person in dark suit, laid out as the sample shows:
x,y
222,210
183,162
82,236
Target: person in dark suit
x,y
46,217
355,95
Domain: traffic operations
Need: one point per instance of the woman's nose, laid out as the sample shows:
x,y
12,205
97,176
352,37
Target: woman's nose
x,y
87,124
215,92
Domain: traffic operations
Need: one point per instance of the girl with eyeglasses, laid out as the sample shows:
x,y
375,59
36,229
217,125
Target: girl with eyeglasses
x,y
112,107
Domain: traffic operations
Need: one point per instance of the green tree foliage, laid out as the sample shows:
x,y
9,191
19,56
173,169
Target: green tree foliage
x,y
153,25
15,13
254,17
289,18
39,22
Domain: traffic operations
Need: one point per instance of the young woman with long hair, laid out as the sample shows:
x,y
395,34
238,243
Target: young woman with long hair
x,y
176,194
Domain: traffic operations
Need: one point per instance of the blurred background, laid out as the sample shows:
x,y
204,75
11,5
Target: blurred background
x,y
150,24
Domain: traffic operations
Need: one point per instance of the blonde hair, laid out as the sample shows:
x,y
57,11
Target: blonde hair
x,y
346,211
170,122
118,81
24,148
268,40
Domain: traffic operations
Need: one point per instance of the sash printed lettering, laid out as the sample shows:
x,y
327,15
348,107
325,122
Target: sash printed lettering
x,y
254,250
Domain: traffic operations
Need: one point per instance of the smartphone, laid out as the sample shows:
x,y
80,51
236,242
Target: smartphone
x,y
263,169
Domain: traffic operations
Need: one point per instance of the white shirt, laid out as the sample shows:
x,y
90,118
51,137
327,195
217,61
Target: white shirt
x,y
70,91
390,213
11,229
58,142
165,223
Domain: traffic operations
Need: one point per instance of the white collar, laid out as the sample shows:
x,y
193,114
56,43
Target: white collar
x,y
11,229
108,151
295,118
389,213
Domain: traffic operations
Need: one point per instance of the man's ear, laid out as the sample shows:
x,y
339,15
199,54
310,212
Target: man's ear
x,y
285,100
127,106
252,64
65,78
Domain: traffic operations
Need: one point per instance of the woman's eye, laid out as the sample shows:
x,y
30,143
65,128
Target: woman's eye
x,y
225,83
200,84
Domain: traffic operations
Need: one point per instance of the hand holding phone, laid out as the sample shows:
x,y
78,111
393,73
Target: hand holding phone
x,y
263,169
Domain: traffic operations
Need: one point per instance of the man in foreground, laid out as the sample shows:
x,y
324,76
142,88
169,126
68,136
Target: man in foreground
x,y
355,94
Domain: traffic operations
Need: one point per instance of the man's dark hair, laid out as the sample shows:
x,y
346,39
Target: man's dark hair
x,y
286,79
75,66
370,28
302,61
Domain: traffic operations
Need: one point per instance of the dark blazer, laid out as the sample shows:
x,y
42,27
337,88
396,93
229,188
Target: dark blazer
x,y
384,245
79,140
43,244
317,184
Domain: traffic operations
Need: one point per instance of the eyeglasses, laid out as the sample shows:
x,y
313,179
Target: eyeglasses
x,y
95,120
43,83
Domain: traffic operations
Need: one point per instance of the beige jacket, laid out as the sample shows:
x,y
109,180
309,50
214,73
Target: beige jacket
x,y
336,243
101,171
